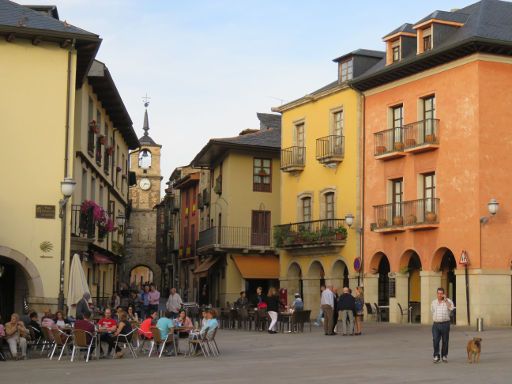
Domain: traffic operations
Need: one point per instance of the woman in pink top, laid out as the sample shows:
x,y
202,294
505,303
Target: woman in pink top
x,y
184,321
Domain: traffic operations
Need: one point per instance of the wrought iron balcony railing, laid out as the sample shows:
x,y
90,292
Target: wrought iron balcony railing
x,y
421,135
232,237
412,213
82,223
389,141
330,149
293,159
318,233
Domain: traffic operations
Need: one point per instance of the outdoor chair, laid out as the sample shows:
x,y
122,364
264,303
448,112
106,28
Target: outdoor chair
x,y
378,311
80,343
369,311
126,340
212,343
161,343
406,314
243,318
142,338
197,341
60,341
47,341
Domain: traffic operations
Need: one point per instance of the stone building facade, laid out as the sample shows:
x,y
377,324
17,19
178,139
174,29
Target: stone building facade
x,y
140,264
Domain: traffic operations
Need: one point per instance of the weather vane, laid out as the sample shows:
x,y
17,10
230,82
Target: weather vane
x,y
146,100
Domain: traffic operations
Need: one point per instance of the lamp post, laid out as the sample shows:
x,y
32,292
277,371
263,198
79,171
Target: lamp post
x,y
67,187
121,219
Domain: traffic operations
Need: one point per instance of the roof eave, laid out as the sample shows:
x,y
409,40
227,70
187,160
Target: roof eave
x,y
309,98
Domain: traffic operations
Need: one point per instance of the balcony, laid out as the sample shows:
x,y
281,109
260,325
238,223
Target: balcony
x,y
330,149
421,136
413,214
82,223
218,185
311,234
293,159
389,144
206,197
228,238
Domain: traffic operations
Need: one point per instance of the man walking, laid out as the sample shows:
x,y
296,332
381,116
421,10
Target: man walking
x,y
174,303
154,298
347,306
327,304
441,309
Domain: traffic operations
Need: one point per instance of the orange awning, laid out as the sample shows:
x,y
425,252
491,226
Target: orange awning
x,y
257,267
206,265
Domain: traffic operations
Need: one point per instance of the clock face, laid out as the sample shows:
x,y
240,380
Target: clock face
x,y
145,184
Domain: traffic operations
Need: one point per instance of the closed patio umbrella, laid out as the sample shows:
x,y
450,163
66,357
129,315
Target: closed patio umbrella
x,y
77,284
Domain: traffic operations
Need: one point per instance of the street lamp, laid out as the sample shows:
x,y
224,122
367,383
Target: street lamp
x,y
121,219
349,219
67,187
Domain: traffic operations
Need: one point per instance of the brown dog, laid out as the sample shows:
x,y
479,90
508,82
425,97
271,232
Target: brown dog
x,y
474,348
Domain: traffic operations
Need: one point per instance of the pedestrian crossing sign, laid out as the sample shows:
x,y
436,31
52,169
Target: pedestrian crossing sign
x,y
464,258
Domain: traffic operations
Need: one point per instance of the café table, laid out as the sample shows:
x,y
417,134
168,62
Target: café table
x,y
283,318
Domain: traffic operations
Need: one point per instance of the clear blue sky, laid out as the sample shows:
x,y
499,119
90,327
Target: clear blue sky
x,y
209,66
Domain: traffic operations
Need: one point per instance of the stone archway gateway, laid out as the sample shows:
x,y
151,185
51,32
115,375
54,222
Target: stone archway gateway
x,y
314,279
295,283
20,280
445,263
339,275
410,265
141,274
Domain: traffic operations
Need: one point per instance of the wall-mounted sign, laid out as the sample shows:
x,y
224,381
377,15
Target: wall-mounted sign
x,y
464,259
357,264
45,211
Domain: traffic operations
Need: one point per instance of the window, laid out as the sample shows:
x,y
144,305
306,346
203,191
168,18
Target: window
x,y
397,122
90,132
346,70
395,49
101,196
337,128
329,205
262,175
306,209
429,191
145,159
397,196
117,165
260,228
84,184
429,114
427,39
93,189
299,135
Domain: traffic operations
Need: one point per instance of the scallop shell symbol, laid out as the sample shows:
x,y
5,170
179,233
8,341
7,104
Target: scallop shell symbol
x,y
46,246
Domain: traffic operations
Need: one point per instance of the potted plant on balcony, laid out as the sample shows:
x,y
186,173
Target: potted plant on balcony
x,y
430,217
105,226
382,223
327,233
86,219
410,143
398,146
410,219
398,221
94,127
430,139
380,149
341,233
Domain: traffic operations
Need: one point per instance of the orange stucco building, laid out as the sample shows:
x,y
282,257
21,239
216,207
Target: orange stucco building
x,y
438,148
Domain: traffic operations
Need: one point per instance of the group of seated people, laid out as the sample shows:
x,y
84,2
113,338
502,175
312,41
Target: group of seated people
x,y
17,331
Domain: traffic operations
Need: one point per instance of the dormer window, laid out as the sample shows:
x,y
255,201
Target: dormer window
x,y
395,47
427,39
346,70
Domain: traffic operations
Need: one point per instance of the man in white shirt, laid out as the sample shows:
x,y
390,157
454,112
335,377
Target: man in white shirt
x,y
441,309
174,303
327,304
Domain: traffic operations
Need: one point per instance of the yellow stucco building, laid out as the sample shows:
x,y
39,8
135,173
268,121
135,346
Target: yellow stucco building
x,y
319,237
63,109
235,244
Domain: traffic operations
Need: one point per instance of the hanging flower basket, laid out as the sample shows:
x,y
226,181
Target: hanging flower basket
x,y
94,127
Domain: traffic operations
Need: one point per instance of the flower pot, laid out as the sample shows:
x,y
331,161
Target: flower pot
x,y
380,149
340,236
430,217
410,142
410,220
430,139
399,146
398,220
381,223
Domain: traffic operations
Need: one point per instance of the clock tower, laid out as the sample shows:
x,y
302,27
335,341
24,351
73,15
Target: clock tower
x,y
140,263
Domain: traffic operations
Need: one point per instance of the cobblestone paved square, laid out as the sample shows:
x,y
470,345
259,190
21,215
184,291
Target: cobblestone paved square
x,y
384,354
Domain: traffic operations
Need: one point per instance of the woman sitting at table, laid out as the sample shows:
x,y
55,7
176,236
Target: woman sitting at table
x,y
183,321
60,320
123,328
132,315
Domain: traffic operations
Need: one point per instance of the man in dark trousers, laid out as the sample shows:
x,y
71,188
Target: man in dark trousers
x,y
335,313
347,306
